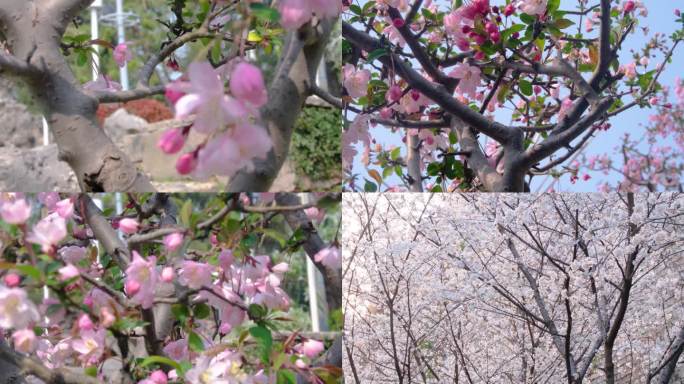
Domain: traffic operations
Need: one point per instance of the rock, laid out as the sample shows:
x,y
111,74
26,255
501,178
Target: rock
x,y
35,170
122,123
20,127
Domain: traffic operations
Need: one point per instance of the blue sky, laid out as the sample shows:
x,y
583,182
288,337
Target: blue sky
x,y
661,19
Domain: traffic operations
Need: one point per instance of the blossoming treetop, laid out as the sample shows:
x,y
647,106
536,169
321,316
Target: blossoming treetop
x,y
449,72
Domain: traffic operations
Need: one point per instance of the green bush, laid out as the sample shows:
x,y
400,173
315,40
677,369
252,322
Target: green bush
x,y
316,148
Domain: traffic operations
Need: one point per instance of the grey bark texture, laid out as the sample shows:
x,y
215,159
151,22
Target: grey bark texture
x,y
32,31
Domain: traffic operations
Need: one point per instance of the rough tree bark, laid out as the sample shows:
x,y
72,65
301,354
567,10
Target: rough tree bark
x,y
295,73
32,31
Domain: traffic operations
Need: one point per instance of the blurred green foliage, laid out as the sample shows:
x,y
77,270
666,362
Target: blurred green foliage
x,y
316,148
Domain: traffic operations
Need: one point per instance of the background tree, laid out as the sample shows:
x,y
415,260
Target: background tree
x,y
513,289
446,76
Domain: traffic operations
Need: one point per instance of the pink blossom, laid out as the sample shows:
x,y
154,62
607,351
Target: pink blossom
x,y
173,241
129,226
330,257
310,348
84,323
628,6
564,108
15,212
141,280
356,81
476,8
25,340
533,7
65,208
156,377
469,76
16,310
629,70
12,280
171,141
177,350
48,232
293,13
314,214
394,93
247,83
168,274
231,315
195,275
280,268
68,272
175,90
90,345
206,99
186,163
226,259
122,54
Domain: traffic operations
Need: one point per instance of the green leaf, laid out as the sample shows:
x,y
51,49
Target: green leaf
x,y
356,9
273,234
30,271
160,360
180,312
525,87
127,324
201,311
264,339
285,376
376,54
370,186
395,153
563,23
195,342
256,311
186,213
527,19
264,13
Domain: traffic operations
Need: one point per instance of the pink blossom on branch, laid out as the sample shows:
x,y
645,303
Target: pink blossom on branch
x,y
122,54
15,212
141,280
16,310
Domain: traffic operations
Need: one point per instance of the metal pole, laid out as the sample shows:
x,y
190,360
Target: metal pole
x,y
123,71
95,34
46,132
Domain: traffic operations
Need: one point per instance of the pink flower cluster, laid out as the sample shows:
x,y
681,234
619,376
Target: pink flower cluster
x,y
233,142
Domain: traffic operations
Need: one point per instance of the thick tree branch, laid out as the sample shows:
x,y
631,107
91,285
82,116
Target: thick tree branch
x,y
103,231
312,243
302,53
31,366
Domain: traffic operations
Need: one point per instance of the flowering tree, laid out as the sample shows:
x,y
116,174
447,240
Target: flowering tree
x,y
514,289
444,76
648,163
246,126
172,289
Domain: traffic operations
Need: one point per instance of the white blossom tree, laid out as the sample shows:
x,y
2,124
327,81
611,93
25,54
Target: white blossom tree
x,y
504,288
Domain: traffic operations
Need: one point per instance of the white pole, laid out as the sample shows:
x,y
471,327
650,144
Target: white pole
x,y
98,203
123,71
95,34
46,132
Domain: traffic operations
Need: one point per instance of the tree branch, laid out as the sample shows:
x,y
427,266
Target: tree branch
x,y
31,366
312,243
439,95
